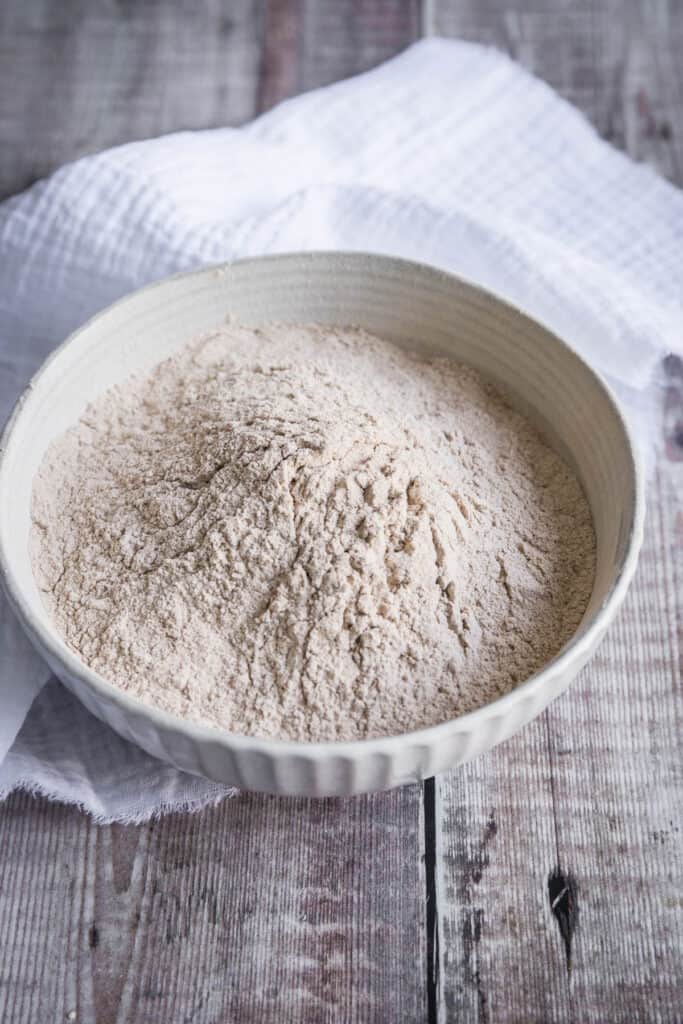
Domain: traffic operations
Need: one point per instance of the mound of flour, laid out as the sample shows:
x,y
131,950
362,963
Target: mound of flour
x,y
305,532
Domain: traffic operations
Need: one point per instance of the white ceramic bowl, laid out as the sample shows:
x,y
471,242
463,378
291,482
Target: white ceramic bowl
x,y
415,306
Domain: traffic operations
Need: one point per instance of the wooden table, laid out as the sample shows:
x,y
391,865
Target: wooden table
x,y
543,882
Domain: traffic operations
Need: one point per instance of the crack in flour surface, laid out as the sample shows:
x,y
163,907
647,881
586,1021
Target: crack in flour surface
x,y
305,532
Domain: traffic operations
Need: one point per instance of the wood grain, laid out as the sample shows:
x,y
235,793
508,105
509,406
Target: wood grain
x,y
615,744
257,911
77,76
616,60
595,787
309,43
500,955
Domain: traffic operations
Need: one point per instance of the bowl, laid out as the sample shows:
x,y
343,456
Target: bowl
x,y
417,307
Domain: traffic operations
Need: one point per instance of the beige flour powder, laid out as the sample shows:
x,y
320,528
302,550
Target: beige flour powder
x,y
305,532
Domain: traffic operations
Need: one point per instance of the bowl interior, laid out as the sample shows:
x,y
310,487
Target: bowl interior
x,y
416,307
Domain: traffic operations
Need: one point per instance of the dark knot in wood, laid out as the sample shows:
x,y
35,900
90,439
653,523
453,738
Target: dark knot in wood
x,y
563,896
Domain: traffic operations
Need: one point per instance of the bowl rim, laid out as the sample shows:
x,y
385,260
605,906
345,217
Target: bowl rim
x,y
51,646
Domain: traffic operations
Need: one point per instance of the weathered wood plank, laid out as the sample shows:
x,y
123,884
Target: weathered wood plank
x,y
595,787
501,959
616,747
44,852
309,43
76,78
256,911
616,60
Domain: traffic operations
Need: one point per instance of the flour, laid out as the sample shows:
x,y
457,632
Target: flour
x,y
305,532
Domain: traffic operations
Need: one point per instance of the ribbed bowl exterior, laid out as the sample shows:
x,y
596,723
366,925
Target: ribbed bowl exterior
x,y
419,308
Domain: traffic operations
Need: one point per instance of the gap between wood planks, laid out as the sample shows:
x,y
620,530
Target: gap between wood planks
x,y
432,868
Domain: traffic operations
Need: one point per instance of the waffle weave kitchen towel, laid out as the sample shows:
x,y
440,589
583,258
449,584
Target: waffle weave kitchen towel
x,y
450,154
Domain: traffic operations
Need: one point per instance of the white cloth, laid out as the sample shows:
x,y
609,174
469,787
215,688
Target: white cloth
x,y
450,154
